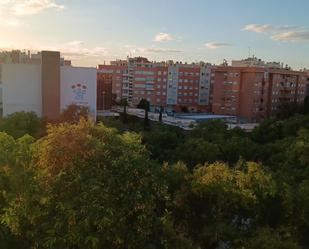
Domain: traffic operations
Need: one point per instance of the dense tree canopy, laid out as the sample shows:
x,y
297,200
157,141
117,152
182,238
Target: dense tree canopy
x,y
85,185
22,123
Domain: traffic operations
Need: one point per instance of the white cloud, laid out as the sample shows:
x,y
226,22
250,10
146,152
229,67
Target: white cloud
x,y
280,33
71,50
140,50
78,49
258,28
27,7
13,22
164,50
163,37
12,11
292,36
215,45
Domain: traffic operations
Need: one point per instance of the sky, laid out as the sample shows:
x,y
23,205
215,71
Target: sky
x,y
91,32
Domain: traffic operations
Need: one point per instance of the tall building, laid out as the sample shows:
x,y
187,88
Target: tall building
x,y
104,91
254,93
46,88
173,86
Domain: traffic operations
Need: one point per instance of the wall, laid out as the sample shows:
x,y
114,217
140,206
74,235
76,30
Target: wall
x,y
21,88
78,86
51,84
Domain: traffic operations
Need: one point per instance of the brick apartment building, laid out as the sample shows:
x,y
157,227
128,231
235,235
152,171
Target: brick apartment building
x,y
250,89
164,84
254,93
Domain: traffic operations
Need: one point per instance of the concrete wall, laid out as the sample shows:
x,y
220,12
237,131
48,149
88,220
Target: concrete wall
x,y
21,87
78,86
51,84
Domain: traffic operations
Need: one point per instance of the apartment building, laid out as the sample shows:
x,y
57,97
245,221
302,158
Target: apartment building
x,y
172,85
254,93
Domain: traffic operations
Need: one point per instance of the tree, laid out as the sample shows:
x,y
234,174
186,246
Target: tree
x,y
286,110
14,176
219,205
184,109
306,105
73,113
269,130
195,151
145,105
95,189
19,124
265,238
160,114
240,147
211,131
124,103
162,140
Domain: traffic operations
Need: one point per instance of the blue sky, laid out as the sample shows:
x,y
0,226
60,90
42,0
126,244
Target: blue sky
x,y
93,31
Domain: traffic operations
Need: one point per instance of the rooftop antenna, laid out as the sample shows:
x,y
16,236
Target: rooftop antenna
x,y
249,52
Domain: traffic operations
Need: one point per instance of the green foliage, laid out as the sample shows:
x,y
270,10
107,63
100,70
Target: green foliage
x,y
145,105
266,238
22,123
94,189
124,103
197,151
162,140
90,186
220,203
73,113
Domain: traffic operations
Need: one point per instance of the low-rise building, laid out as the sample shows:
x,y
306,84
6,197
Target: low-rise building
x,y
46,88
